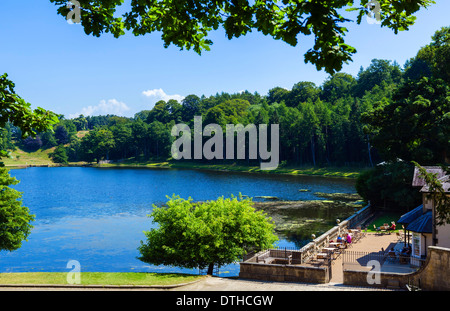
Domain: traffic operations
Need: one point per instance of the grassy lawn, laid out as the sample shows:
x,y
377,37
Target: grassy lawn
x,y
386,217
22,158
98,278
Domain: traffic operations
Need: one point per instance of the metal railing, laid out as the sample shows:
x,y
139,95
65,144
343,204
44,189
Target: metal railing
x,y
323,241
310,250
289,255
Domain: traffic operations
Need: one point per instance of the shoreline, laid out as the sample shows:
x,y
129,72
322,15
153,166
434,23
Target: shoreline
x,y
330,172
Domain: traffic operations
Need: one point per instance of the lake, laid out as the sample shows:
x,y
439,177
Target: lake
x,y
97,215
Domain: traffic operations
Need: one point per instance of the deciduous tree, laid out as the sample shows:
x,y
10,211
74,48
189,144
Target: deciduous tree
x,y
201,235
186,24
415,125
14,217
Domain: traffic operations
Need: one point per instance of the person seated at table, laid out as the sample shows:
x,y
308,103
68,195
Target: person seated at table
x,y
349,238
392,227
339,239
406,251
405,254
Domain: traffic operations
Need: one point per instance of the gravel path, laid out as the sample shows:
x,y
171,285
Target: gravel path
x,y
205,284
225,284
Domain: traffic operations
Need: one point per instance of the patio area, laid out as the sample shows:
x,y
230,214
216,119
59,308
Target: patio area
x,y
345,247
373,246
326,263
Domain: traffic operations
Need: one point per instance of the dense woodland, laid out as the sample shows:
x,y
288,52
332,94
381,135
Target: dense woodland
x,y
386,112
318,125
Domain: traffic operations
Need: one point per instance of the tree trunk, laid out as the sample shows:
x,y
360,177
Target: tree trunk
x,y
327,148
210,269
157,148
313,151
369,147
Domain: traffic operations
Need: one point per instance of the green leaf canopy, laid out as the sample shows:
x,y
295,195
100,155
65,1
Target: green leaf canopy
x,y
195,235
187,23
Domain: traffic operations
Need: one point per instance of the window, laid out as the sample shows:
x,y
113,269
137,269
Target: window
x,y
416,244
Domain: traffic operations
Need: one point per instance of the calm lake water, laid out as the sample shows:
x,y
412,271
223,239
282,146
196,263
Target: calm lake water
x,y
97,215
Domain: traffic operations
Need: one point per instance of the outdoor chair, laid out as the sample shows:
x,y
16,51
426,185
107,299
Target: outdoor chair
x,y
391,257
399,236
377,230
359,235
322,256
364,233
403,259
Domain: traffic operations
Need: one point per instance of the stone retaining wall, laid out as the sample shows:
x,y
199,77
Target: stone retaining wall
x,y
433,276
284,273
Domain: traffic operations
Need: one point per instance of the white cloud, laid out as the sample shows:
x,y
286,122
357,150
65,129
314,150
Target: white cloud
x,y
112,106
158,94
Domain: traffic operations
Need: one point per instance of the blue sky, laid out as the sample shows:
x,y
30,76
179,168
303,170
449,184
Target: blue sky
x,y
56,66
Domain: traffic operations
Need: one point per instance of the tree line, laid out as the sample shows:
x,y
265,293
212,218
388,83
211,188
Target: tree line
x,y
319,125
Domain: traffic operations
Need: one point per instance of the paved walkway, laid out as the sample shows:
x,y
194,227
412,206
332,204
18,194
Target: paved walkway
x,y
207,284
370,243
225,284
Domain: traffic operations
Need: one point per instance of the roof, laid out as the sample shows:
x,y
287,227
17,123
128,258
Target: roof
x,y
445,181
423,224
420,182
411,216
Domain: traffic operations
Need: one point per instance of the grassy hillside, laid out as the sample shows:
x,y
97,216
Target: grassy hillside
x,y
23,158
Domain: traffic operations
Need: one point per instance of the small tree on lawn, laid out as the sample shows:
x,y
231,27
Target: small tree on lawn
x,y
14,217
219,232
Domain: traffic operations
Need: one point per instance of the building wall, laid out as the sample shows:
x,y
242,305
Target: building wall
x,y
443,236
420,243
427,202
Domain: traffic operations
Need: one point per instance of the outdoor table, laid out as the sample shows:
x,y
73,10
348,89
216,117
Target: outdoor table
x,y
403,259
342,245
384,228
322,255
330,250
356,233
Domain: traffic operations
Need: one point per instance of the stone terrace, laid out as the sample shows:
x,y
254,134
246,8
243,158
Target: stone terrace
x,y
371,243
